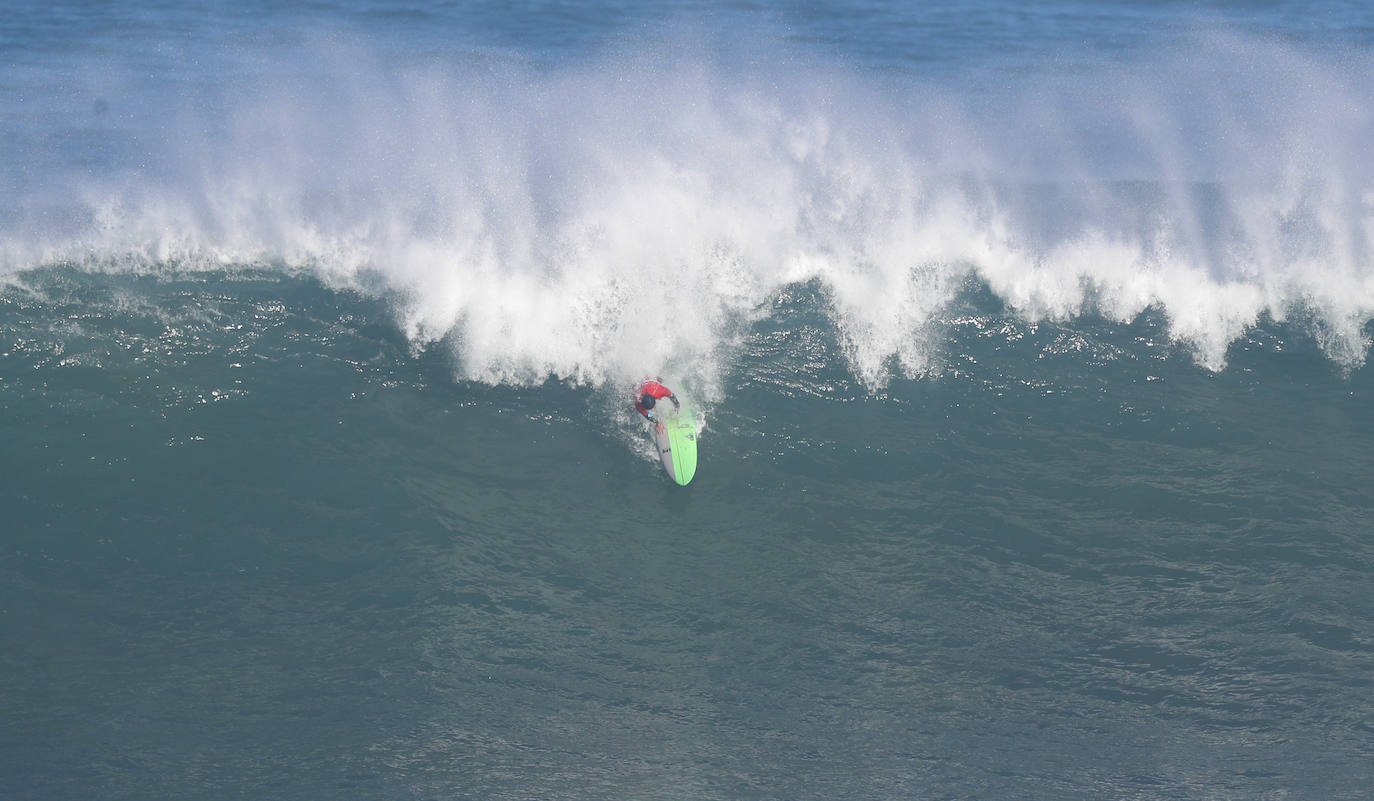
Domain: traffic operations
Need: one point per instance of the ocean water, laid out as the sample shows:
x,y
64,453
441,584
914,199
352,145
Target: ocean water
x,y
1030,341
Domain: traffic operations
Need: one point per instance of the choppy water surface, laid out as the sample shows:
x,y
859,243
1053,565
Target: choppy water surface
x,y
1031,343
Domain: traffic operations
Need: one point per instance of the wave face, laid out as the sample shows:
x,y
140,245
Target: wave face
x,y
635,208
1030,343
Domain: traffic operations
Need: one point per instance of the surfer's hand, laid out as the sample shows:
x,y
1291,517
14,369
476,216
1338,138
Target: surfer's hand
x,y
676,405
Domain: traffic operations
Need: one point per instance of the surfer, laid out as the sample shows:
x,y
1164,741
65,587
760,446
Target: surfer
x,y
675,438
650,392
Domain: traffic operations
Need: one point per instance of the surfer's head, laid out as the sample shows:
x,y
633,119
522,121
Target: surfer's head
x,y
647,401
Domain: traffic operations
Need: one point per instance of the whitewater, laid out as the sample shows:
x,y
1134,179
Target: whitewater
x,y
539,215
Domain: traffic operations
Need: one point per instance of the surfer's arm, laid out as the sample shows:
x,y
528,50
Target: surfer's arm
x,y
673,398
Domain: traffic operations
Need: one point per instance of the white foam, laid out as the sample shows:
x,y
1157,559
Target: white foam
x,y
636,215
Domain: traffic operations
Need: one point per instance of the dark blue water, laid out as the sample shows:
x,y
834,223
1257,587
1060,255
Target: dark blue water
x,y
1030,341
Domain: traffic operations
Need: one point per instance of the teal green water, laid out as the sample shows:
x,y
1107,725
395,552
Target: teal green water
x,y
286,558
1030,344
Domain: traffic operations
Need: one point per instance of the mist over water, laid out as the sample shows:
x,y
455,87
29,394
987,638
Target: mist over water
x,y
637,210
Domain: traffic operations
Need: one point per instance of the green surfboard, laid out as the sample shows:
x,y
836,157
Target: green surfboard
x,y
675,435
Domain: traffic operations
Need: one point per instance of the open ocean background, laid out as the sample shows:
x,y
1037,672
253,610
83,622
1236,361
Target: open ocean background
x,y
1031,343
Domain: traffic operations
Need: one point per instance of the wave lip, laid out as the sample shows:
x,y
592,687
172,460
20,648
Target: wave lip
x,y
641,213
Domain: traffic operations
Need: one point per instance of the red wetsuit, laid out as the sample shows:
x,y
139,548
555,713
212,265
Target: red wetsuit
x,y
657,390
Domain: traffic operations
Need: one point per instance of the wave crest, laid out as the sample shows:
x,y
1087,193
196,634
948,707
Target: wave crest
x,y
638,214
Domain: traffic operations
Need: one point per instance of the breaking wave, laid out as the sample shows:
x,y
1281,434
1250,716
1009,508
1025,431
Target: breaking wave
x,y
641,212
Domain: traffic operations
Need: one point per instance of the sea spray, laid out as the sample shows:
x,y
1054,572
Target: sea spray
x,y
637,213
